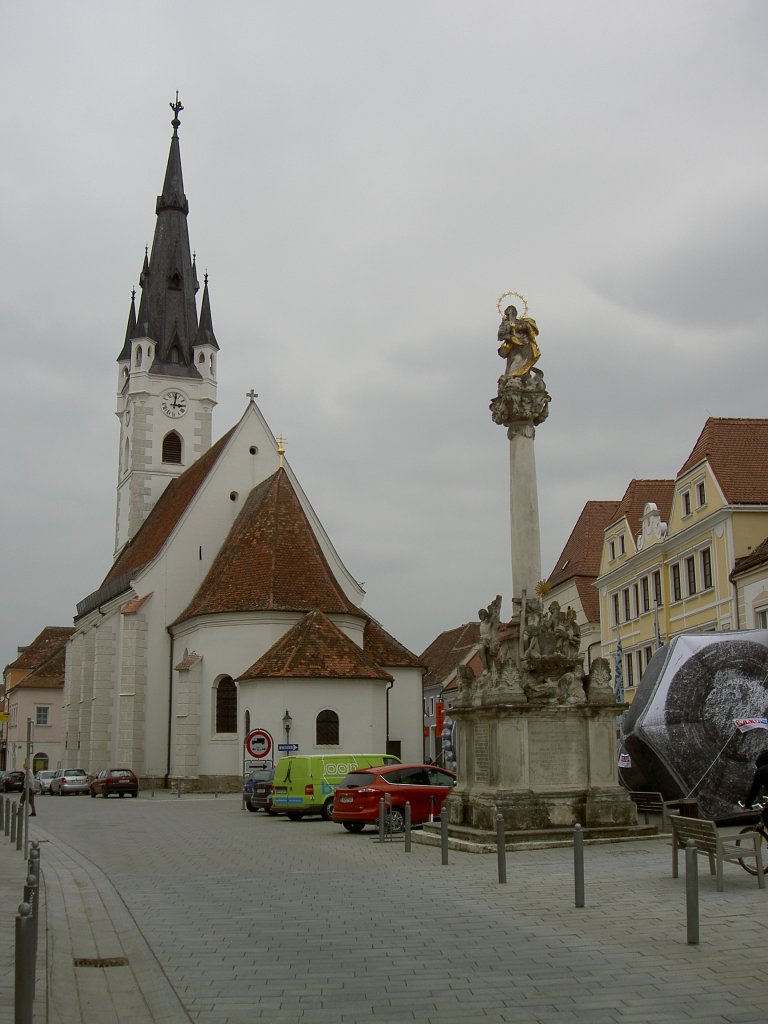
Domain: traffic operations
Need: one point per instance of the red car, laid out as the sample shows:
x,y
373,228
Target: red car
x,y
114,780
425,787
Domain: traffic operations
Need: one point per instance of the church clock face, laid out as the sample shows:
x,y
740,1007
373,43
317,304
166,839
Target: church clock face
x,y
173,403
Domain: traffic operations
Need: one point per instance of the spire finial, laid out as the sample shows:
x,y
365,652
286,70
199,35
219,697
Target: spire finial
x,y
177,109
281,449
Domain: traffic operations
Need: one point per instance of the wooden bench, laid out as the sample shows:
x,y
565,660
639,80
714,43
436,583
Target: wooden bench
x,y
648,803
717,845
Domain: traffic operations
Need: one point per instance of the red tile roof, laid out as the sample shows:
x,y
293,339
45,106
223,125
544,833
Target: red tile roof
x,y
448,650
637,496
315,648
49,674
737,452
384,649
271,559
583,549
756,557
46,643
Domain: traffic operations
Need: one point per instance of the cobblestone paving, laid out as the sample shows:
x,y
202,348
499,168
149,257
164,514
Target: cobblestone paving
x,y
261,919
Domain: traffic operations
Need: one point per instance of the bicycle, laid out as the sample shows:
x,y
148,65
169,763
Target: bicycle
x,y
761,827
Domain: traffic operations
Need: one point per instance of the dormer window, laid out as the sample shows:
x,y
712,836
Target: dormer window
x,y
686,499
138,355
612,549
174,281
201,357
701,494
622,549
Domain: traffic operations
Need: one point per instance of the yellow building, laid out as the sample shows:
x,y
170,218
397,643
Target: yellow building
x,y
669,553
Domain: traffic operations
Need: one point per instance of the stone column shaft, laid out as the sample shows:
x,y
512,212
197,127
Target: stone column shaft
x,y
524,509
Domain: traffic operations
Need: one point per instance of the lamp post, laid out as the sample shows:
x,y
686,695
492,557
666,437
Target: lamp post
x,y
287,723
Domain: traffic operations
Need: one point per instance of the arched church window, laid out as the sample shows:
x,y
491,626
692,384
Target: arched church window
x,y
172,448
173,355
213,367
138,355
201,357
226,705
126,454
327,728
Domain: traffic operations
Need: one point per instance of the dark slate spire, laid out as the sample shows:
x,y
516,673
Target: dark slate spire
x,y
167,313
205,335
130,330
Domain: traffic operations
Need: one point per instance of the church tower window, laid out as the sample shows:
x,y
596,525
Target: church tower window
x,y
172,448
226,705
173,355
327,728
138,356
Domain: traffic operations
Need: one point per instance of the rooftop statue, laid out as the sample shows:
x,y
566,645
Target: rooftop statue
x,y
517,342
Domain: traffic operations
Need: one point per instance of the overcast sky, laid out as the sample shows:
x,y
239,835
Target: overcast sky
x,y
364,180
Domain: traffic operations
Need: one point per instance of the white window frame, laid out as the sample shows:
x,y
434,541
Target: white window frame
x,y
47,709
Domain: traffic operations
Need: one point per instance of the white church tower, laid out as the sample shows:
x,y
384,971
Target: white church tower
x,y
166,388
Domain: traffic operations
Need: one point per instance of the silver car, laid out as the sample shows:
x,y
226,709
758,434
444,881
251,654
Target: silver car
x,y
43,781
69,780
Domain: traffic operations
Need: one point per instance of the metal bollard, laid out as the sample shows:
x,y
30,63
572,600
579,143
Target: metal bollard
x,y
14,815
2,815
407,826
34,861
178,786
22,819
7,816
381,820
31,897
578,864
444,838
692,892
501,849
25,966
152,786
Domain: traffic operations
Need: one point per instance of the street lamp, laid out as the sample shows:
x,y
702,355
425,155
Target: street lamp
x,y
287,723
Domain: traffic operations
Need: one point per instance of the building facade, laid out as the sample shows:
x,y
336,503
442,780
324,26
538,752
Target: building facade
x,y
226,610
669,553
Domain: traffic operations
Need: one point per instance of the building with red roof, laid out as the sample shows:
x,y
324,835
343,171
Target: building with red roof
x,y
226,607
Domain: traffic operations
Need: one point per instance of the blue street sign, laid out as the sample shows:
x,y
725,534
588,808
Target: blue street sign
x,y
287,746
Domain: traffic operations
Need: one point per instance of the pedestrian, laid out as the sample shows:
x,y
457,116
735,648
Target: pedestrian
x,y
759,780
29,787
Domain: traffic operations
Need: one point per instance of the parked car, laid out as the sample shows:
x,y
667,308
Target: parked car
x,y
356,800
43,781
12,782
257,789
69,780
114,781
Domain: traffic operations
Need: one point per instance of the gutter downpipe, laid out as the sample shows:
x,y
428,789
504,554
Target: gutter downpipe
x,y
170,710
386,739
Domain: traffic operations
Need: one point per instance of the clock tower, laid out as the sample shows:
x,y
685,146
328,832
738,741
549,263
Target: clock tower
x,y
167,365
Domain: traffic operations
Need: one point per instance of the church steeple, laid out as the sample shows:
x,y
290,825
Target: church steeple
x,y
167,313
167,365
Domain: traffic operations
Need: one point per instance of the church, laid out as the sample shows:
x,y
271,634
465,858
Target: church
x,y
227,626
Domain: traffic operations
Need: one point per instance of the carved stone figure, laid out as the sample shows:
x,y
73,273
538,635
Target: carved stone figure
x,y
490,622
599,689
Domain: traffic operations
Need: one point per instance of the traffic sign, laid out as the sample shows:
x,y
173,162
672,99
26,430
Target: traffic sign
x,y
287,746
258,743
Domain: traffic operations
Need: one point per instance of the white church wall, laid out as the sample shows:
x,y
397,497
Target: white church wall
x,y
406,719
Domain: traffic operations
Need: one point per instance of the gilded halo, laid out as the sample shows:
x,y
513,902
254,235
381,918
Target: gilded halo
x,y
515,295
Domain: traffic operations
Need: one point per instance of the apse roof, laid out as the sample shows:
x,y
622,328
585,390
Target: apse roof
x,y
315,648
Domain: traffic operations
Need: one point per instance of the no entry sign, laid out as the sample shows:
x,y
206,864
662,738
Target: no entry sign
x,y
258,743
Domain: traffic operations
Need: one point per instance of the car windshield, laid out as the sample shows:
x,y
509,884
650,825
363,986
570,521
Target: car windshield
x,y
356,779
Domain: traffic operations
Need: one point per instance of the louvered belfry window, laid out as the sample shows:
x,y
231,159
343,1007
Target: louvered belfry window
x,y
327,728
172,448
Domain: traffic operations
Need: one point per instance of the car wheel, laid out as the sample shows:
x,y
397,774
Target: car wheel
x,y
271,810
250,808
121,795
93,792
397,819
134,794
328,809
294,815
353,826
